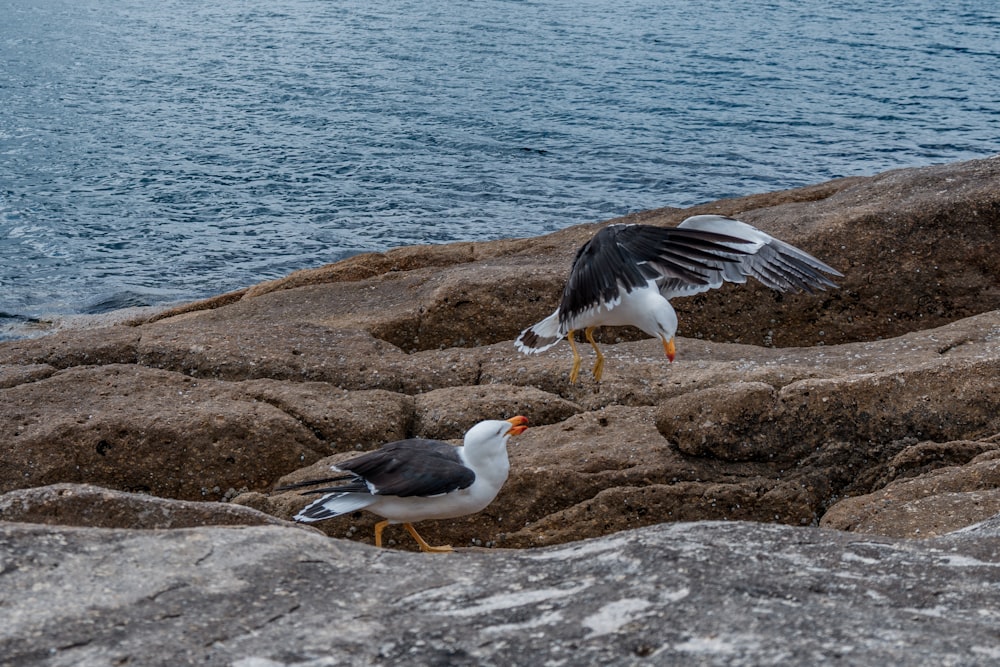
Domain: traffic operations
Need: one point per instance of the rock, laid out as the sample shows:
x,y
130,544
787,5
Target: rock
x,y
924,457
468,306
931,504
733,422
138,429
11,376
755,421
684,593
342,420
449,413
254,387
86,505
74,347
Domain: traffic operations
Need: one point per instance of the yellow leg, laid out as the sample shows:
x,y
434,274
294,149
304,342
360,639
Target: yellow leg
x,y
599,364
423,545
576,357
379,527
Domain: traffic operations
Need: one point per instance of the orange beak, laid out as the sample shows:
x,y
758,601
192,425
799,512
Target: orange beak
x,y
668,347
520,425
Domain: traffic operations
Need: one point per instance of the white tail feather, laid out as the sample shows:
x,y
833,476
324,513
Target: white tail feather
x,y
333,505
541,336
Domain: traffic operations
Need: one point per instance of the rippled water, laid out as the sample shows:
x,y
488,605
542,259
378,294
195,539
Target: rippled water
x,y
156,151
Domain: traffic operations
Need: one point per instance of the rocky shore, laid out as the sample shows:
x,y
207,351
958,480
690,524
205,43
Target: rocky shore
x,y
865,419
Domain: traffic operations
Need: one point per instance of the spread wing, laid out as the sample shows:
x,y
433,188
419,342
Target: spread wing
x,y
626,257
778,265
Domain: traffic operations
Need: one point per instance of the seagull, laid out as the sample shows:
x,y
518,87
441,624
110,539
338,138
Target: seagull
x,y
416,480
627,274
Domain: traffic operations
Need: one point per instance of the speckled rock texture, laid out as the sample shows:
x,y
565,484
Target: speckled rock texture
x,y
728,593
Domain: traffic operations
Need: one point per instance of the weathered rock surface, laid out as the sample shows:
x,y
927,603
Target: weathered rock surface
x,y
683,593
926,505
92,506
134,428
231,396
874,409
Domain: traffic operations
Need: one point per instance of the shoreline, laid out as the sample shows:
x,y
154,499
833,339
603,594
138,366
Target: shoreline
x,y
14,326
23,328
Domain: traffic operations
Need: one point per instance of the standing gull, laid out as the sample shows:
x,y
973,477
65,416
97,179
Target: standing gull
x,y
416,480
626,274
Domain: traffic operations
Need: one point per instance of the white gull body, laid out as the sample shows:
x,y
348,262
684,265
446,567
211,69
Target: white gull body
x,y
627,274
417,480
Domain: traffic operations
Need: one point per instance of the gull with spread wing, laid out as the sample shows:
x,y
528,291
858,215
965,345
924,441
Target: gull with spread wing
x,y
627,274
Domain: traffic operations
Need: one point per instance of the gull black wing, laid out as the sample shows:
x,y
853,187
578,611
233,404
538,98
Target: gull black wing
x,y
413,467
626,257
778,265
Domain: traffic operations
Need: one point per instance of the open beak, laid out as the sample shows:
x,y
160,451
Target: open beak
x,y
668,347
520,425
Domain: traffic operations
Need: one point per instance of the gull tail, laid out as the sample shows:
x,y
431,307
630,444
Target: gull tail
x,y
333,505
541,336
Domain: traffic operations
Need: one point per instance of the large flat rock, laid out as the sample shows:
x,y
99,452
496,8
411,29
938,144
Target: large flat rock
x,y
693,594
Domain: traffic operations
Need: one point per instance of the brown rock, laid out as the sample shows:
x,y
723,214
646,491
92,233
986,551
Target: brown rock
x,y
449,413
368,265
730,422
245,389
624,508
753,421
11,376
931,504
69,348
85,505
137,429
342,420
924,457
468,306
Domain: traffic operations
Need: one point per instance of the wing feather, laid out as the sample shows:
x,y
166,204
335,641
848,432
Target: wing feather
x,y
621,258
776,264
414,467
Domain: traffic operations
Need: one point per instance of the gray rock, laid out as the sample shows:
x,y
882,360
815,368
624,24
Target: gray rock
x,y
691,594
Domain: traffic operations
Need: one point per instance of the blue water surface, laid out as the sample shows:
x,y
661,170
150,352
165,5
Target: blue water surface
x,y
160,151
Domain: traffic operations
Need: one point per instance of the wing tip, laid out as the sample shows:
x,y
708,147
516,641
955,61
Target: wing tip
x,y
302,517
